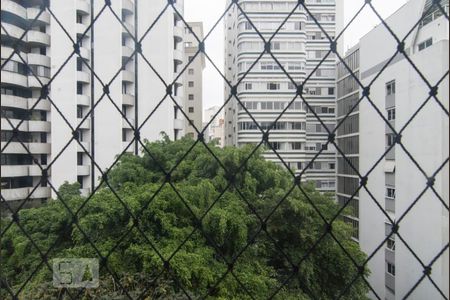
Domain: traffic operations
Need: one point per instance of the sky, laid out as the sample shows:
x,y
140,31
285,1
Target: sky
x,y
209,11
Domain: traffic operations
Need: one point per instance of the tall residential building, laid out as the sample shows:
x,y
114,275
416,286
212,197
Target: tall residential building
x,y
265,91
215,130
347,137
193,79
19,93
396,182
107,48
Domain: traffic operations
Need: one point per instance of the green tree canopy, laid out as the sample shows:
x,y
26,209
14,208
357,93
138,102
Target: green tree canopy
x,y
229,254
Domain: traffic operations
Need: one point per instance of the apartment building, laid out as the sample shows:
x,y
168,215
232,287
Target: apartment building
x,y
215,129
347,136
266,91
123,88
193,78
396,181
20,91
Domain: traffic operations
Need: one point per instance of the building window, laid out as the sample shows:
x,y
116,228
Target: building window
x,y
391,114
331,91
80,158
390,88
390,244
79,111
43,159
191,71
80,181
248,86
191,97
191,84
124,135
79,19
79,88
191,109
331,166
390,139
425,44
273,86
80,135
390,192
296,146
79,64
391,268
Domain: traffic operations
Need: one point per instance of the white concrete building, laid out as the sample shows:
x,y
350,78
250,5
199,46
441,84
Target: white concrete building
x,y
265,91
398,92
19,93
193,78
215,130
135,91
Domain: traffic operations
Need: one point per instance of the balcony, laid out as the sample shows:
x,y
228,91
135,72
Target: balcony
x,y
83,77
38,59
85,192
7,126
127,52
13,78
39,148
13,148
14,101
178,56
14,171
85,145
12,31
40,192
38,38
125,123
82,29
127,76
127,99
43,104
83,7
85,53
178,33
38,126
127,7
14,194
14,8
130,28
83,170
33,12
86,123
34,170
83,100
33,82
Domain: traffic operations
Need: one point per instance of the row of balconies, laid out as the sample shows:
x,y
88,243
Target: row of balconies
x,y
27,125
22,193
25,13
30,81
25,103
33,148
31,36
21,170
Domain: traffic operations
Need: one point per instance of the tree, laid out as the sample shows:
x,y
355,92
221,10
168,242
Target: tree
x,y
230,237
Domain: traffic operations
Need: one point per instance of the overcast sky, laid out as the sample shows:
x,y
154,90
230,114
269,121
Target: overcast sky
x,y
209,11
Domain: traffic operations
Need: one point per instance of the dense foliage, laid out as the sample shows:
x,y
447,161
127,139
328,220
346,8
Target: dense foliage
x,y
166,220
